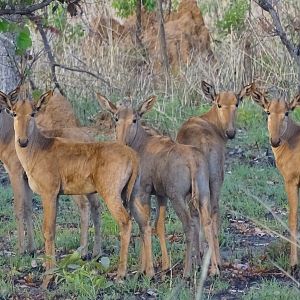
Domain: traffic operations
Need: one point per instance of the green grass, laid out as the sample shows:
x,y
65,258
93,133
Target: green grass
x,y
272,289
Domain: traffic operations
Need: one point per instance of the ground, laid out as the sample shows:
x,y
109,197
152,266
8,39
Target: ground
x,y
253,230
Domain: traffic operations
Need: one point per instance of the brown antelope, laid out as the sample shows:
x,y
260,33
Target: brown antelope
x,y
57,166
168,170
210,133
284,136
18,179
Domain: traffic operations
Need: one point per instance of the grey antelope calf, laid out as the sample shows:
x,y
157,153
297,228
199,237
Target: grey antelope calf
x,y
168,170
57,166
284,136
210,133
22,192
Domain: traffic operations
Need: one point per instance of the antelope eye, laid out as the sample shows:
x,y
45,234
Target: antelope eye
x,y
116,119
237,105
32,114
268,112
287,113
219,105
134,121
14,114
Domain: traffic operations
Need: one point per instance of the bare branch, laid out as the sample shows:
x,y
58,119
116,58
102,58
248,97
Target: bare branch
x,y
75,69
27,10
267,6
48,51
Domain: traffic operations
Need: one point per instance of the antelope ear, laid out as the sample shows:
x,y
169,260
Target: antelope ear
x,y
43,100
106,104
146,105
208,90
295,102
259,98
246,91
5,101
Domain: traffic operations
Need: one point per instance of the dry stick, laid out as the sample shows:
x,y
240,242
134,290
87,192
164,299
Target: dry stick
x,y
285,272
82,71
204,271
25,11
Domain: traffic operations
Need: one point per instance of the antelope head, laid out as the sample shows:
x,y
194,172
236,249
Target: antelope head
x,y
278,112
23,111
226,104
127,119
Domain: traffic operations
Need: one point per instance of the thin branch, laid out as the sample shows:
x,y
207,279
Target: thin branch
x,y
25,11
48,50
75,69
267,6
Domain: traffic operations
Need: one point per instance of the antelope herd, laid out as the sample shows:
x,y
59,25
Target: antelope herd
x,y
50,154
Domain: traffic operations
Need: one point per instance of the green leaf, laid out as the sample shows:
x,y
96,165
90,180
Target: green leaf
x,y
23,40
4,26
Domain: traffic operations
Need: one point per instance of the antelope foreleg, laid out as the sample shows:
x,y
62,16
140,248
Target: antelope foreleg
x,y
95,206
292,193
50,211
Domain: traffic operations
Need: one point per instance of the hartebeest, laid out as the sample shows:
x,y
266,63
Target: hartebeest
x,y
18,179
284,136
168,170
57,166
210,133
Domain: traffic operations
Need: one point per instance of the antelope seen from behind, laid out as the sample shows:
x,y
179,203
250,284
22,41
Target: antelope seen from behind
x,y
57,166
21,190
284,134
168,170
210,133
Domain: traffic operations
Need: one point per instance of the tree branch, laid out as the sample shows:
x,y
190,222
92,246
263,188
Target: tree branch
x,y
27,10
83,71
290,46
48,51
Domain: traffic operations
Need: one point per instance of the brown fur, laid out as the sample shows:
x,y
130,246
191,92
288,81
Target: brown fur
x,y
21,190
210,133
168,170
284,136
57,166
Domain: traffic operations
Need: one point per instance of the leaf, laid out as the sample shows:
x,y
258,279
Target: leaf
x,y
105,262
23,40
4,26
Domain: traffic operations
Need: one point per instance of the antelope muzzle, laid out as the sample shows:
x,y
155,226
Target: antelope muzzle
x,y
275,142
230,133
23,142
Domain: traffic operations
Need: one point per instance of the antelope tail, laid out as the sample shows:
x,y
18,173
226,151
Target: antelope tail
x,y
195,187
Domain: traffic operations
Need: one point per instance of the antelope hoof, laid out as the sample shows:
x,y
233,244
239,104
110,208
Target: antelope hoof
x,y
46,281
150,272
97,251
214,271
295,271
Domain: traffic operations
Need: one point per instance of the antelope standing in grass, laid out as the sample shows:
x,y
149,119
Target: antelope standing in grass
x,y
210,133
284,136
57,166
168,170
22,193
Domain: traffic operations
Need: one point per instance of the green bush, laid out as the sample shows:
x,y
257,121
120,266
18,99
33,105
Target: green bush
x,y
234,16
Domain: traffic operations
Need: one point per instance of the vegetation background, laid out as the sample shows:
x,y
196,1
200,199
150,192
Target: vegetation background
x,y
55,48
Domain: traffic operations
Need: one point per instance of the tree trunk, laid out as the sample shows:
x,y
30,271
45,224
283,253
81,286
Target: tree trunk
x,y
9,75
163,43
